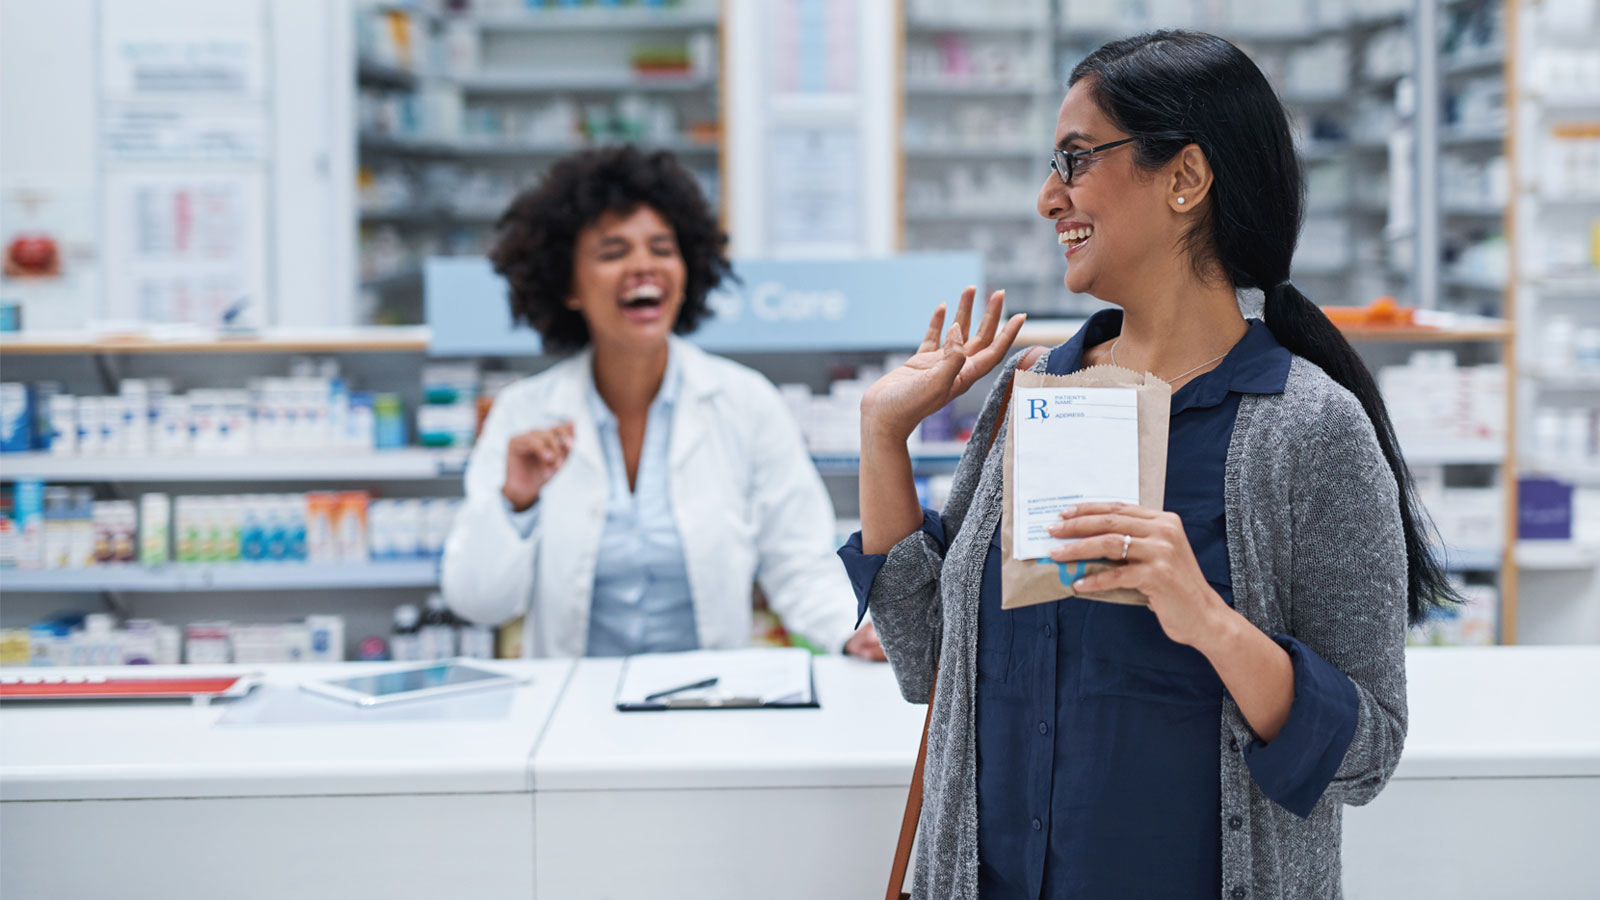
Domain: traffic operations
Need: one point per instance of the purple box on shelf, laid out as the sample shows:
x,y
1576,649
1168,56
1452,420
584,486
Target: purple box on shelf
x,y
1544,510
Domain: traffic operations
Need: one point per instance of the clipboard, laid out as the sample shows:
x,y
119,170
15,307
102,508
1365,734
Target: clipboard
x,y
755,678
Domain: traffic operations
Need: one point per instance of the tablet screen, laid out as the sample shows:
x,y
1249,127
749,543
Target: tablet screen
x,y
440,675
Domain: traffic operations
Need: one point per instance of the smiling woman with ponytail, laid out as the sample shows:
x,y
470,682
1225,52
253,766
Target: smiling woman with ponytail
x,y
1204,746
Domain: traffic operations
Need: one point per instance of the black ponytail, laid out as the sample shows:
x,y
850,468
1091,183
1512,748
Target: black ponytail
x,y
1170,89
1304,330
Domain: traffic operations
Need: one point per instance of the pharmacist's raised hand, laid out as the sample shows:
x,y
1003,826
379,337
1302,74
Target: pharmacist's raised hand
x,y
939,372
532,457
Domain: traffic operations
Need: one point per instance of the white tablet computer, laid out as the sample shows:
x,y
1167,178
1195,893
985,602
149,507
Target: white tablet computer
x,y
416,681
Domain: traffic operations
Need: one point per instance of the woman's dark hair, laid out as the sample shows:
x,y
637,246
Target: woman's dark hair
x,y
538,234
1170,89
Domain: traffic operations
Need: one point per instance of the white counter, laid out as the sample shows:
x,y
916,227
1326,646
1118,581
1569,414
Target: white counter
x,y
147,750
863,735
1498,793
774,803
164,800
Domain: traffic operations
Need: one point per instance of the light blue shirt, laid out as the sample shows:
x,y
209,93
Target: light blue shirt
x,y
641,601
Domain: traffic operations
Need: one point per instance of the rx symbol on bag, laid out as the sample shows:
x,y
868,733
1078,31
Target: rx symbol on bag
x,y
1036,409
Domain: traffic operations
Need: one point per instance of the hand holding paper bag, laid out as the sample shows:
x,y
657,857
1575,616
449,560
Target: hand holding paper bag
x,y
1161,565
1098,435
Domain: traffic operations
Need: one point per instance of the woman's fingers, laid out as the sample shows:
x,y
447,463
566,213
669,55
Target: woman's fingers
x,y
1102,507
1105,523
964,312
990,356
991,322
935,328
1113,578
1105,546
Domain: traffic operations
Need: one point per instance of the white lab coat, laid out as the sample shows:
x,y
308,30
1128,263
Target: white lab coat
x,y
746,498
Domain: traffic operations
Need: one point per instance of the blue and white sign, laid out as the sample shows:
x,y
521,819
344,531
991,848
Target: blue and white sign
x,y
782,305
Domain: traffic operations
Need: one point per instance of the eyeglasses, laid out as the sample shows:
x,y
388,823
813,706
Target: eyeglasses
x,y
1064,163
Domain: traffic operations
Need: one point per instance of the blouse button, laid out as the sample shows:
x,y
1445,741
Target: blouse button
x,y
1037,824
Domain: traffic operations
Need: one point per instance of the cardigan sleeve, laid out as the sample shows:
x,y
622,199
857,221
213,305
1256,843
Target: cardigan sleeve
x,y
1347,613
1298,765
902,589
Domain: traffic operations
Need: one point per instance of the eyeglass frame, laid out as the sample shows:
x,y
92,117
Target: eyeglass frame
x,y
1060,158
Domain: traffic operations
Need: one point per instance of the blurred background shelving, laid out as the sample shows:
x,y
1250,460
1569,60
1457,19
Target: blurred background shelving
x,y
459,110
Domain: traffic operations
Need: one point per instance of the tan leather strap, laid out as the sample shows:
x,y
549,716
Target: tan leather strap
x,y
913,813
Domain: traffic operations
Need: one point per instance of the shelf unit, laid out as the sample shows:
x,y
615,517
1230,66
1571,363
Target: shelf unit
x,y
158,340
979,94
364,592
406,464
447,136
1553,291
925,458
132,578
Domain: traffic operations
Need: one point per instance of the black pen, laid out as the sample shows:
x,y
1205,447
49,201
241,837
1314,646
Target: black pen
x,y
709,682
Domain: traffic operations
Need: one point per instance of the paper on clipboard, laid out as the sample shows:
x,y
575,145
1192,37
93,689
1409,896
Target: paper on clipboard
x,y
755,677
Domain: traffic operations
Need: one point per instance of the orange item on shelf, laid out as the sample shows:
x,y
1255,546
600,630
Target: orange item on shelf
x,y
1382,312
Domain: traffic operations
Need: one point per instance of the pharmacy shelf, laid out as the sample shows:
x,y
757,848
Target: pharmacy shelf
x,y
969,89
1314,99
972,151
1469,328
378,142
1578,285
1322,152
408,277
379,74
1577,473
1486,559
423,216
539,81
406,464
422,573
1491,213
1579,103
1016,213
1482,61
937,24
1553,556
1473,283
412,8
188,339
1458,453
1568,380
567,20
1473,138
940,456
1421,334
503,148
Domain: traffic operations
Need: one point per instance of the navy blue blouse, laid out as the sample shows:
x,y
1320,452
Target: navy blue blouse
x,y
1097,736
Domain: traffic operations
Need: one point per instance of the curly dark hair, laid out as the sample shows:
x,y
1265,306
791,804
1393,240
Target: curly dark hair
x,y
538,234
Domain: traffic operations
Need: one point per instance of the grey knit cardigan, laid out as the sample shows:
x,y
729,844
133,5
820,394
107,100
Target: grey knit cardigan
x,y
1315,550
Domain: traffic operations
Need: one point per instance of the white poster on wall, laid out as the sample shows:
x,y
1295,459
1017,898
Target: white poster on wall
x,y
227,56
152,131
814,189
187,247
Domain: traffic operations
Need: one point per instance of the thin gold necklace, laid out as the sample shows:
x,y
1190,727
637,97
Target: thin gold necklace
x,y
1167,380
